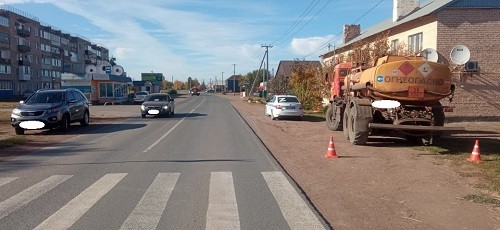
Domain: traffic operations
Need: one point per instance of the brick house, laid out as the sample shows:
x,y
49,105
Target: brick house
x,y
442,25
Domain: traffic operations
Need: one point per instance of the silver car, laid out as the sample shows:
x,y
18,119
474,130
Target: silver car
x,y
158,104
140,96
284,106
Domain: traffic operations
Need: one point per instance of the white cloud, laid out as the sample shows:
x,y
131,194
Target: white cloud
x,y
305,46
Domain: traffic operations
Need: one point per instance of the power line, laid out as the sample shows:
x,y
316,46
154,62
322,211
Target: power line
x,y
327,42
298,20
319,11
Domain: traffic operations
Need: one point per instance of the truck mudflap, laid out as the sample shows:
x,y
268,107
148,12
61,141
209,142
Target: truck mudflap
x,y
414,127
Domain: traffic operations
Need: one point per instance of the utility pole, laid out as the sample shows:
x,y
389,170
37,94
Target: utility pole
x,y
234,79
222,90
267,69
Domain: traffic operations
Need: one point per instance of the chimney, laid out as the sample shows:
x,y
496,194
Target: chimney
x,y
403,7
351,31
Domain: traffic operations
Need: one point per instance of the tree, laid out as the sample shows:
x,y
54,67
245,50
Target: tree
x,y
178,85
253,78
308,84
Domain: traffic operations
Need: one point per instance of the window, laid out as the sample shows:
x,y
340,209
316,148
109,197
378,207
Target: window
x,y
4,21
415,43
25,69
394,46
45,48
105,90
56,62
44,34
4,37
5,69
5,85
111,90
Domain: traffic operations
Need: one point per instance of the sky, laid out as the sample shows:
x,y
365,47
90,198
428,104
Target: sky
x,y
206,39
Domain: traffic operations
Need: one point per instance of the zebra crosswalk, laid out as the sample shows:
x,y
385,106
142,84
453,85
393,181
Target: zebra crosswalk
x,y
222,211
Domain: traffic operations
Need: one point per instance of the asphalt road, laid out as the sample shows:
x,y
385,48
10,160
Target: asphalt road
x,y
204,168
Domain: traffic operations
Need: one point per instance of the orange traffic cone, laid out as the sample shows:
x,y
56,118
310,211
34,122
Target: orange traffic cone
x,y
475,156
331,153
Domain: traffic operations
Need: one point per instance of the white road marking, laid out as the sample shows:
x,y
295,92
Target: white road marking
x,y
6,180
169,131
294,208
222,210
73,210
16,202
148,211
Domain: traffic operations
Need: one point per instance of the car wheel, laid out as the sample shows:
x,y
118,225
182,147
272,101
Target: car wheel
x,y
86,119
167,114
19,131
173,111
64,124
143,115
272,116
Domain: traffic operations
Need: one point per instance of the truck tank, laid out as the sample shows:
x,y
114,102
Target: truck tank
x,y
416,81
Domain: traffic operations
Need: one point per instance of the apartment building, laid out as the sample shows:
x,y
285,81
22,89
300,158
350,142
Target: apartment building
x,y
34,55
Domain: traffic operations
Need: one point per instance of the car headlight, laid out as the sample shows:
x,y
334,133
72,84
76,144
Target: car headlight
x,y
143,107
165,107
16,112
53,110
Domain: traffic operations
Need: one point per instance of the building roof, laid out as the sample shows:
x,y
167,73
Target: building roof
x,y
234,77
285,67
425,8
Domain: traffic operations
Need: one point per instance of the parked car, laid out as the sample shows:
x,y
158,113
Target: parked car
x,y
140,96
47,109
158,104
284,106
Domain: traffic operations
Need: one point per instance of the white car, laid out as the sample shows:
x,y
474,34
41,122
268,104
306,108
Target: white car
x,y
284,106
140,96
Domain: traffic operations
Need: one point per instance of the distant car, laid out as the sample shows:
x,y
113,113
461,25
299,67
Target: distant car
x,y
158,104
210,91
139,96
279,106
195,92
47,109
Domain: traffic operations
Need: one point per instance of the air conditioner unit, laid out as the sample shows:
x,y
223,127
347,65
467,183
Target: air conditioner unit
x,y
472,66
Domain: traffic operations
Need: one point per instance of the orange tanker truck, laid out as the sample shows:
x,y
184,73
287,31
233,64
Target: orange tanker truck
x,y
398,94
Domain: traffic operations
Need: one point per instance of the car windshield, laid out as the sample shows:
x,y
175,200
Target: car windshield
x,y
46,97
287,99
157,98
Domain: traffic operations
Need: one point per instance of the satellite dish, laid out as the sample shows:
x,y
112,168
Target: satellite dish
x,y
460,55
117,70
429,54
90,69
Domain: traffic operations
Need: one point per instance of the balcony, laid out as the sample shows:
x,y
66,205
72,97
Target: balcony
x,y
24,76
23,48
23,62
23,32
5,61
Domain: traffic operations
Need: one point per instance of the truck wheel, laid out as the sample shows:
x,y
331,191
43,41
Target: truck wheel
x,y
345,123
334,117
358,124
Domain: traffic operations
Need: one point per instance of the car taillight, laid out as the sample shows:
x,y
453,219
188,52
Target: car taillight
x,y
277,106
